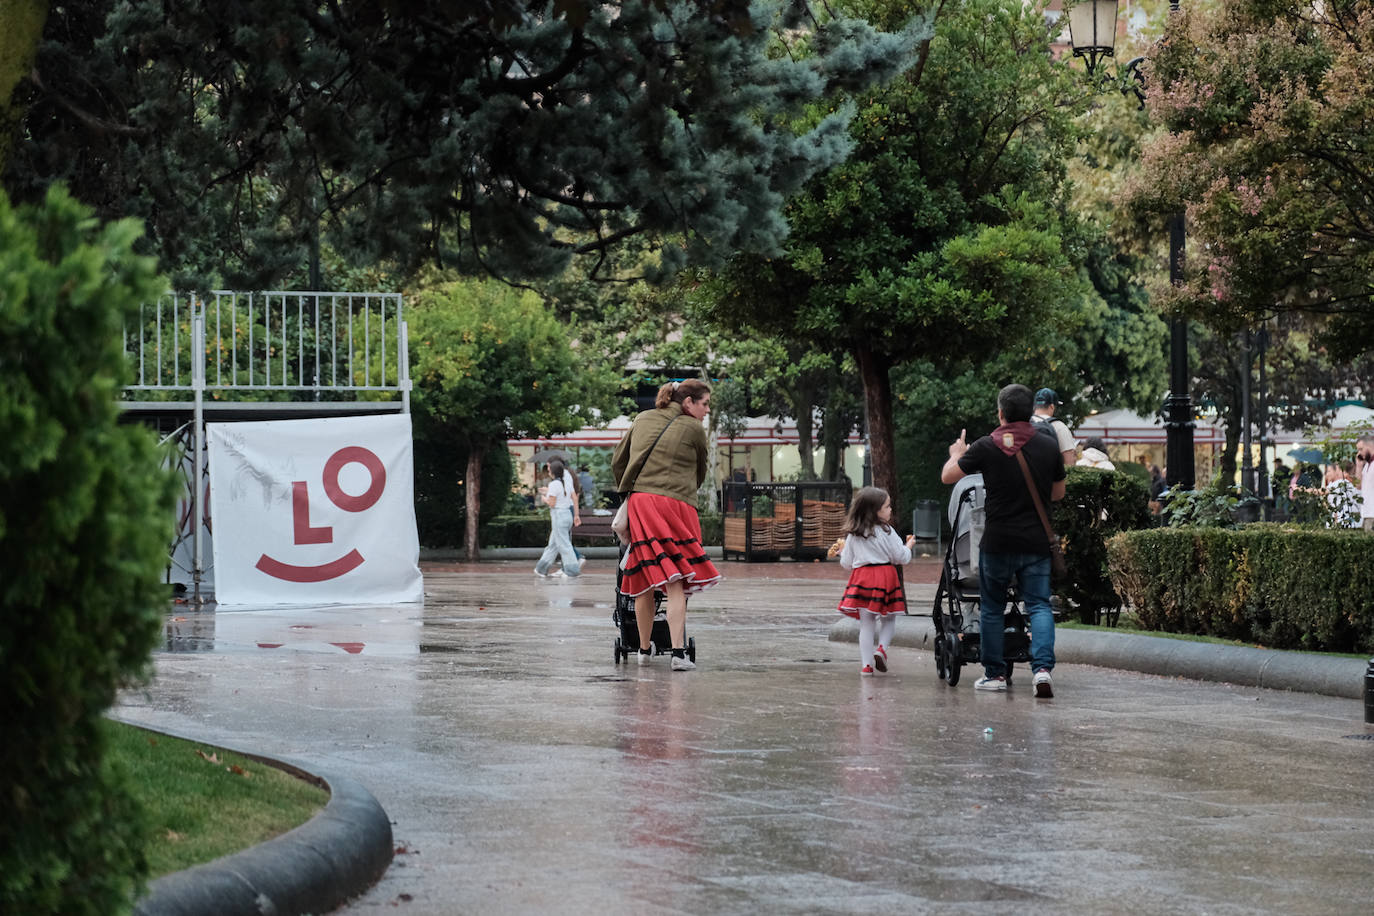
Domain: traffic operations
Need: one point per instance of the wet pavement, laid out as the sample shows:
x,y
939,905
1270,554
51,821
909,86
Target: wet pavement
x,y
525,771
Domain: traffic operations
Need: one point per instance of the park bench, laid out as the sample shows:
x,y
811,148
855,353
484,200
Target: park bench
x,y
595,528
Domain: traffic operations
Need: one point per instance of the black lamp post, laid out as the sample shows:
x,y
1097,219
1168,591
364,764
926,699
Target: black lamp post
x,y
1092,32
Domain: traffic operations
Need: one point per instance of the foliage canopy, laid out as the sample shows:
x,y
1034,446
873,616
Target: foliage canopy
x,y
1268,109
500,137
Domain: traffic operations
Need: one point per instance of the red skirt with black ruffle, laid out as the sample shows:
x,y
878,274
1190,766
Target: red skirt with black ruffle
x,y
665,546
875,588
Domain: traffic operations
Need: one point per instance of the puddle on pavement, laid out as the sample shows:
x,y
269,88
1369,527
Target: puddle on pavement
x,y
189,633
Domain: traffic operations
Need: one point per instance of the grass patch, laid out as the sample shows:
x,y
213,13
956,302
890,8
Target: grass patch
x,y
202,802
1128,625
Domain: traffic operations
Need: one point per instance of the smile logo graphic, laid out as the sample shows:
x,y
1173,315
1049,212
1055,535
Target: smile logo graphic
x,y
307,534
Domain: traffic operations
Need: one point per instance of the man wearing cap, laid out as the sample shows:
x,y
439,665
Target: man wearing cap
x,y
1045,403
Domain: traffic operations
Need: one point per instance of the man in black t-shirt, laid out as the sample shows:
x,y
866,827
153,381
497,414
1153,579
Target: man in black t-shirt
x,y
1015,545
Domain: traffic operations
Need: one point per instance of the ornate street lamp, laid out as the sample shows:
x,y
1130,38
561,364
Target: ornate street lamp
x,y
1092,32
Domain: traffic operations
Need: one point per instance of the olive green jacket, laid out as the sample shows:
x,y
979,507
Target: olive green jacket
x,y
677,464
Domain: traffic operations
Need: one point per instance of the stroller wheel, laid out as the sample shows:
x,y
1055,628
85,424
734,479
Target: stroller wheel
x,y
953,660
692,648
940,657
1007,673
619,651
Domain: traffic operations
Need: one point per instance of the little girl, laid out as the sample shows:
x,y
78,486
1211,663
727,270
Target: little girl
x,y
873,551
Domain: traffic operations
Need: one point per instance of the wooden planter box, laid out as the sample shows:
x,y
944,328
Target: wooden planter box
x,y
769,521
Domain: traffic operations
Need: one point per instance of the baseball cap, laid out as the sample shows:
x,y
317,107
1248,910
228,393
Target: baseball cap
x,y
1047,396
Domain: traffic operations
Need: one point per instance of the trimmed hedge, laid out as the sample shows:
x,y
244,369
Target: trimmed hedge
x,y
1096,505
1267,584
533,531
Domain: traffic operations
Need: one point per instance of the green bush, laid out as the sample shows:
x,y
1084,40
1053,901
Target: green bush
x,y
515,531
1096,505
712,529
1211,507
1267,584
86,517
533,531
441,460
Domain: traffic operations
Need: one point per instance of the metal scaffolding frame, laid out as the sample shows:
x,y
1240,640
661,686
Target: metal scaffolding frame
x,y
261,355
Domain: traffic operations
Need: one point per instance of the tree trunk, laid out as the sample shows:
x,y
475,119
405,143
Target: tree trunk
x,y
803,406
472,490
833,441
1226,465
873,369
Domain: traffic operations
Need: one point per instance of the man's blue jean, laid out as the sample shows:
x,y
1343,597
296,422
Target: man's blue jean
x,y
560,544
1032,574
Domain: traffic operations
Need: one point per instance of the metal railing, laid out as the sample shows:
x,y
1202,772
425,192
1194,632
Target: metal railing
x,y
282,341
297,347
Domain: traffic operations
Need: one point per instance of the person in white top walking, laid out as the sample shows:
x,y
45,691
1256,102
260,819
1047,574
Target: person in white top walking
x,y
1364,457
874,593
561,498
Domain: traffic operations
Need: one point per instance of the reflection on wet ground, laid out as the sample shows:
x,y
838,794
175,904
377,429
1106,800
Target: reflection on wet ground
x,y
526,771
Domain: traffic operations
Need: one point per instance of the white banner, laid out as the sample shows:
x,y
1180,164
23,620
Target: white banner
x,y
314,512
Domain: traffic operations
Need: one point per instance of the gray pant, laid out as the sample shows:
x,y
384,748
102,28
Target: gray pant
x,y
560,545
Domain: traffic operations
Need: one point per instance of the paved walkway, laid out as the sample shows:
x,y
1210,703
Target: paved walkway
x,y
526,772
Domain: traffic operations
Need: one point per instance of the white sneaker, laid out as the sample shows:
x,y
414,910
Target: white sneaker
x,y
990,683
643,657
541,575
1044,689
683,663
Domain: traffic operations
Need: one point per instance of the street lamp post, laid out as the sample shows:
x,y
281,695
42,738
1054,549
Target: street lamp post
x,y
1092,32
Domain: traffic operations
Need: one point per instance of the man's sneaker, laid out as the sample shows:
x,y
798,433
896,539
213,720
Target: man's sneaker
x,y
880,659
644,656
683,663
1043,687
557,574
866,671
540,574
990,683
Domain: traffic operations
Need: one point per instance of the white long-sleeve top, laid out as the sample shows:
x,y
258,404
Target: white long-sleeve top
x,y
878,548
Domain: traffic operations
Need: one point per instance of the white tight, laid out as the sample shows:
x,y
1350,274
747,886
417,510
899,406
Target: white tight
x,y
886,627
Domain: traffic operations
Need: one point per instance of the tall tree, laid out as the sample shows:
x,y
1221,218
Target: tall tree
x,y
944,232
21,27
497,137
1269,113
492,363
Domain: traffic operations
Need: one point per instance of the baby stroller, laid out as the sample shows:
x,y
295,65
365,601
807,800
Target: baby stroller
x,y
957,609
623,616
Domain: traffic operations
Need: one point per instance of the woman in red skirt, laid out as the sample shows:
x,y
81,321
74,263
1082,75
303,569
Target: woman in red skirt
x,y
660,462
874,594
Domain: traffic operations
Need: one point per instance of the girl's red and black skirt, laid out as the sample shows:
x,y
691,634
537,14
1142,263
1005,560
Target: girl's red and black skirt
x,y
665,546
875,588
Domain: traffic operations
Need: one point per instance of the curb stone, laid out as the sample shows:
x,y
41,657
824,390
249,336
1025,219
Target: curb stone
x,y
315,868
1306,672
